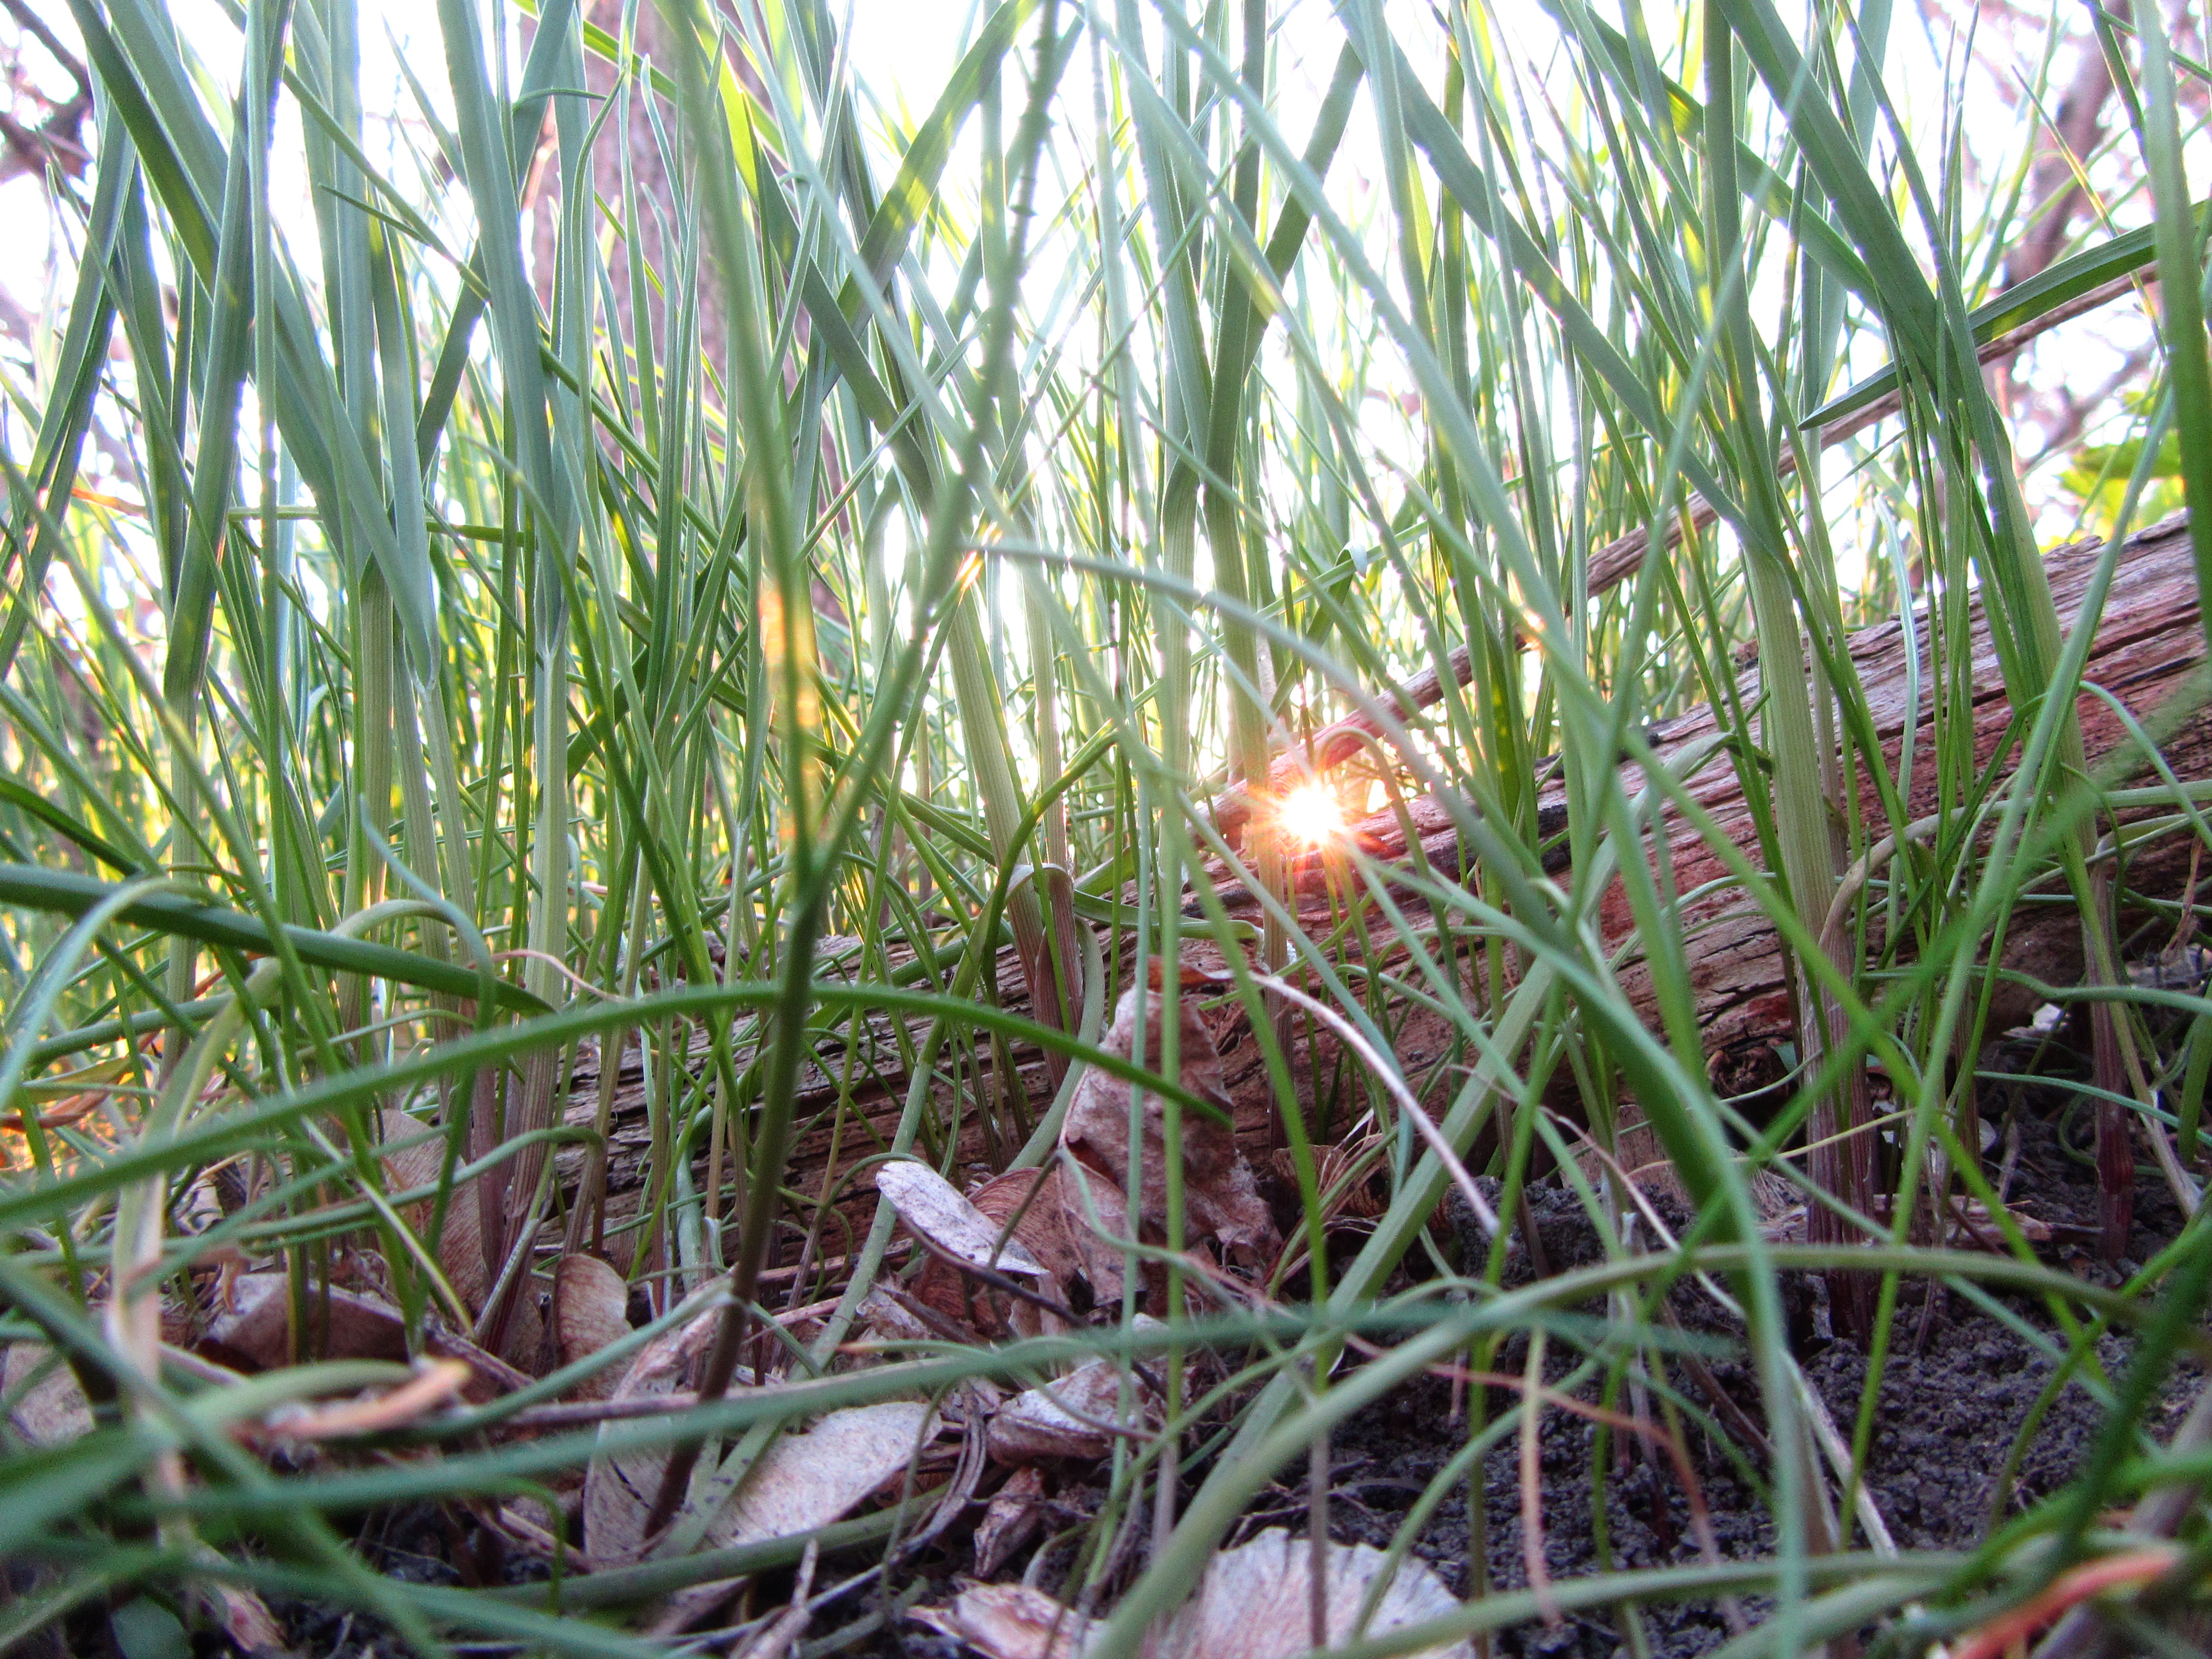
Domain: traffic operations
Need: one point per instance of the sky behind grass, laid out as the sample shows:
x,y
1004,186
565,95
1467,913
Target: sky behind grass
x,y
903,50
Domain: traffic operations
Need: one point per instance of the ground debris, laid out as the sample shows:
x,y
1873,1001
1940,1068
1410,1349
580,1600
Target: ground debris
x,y
1255,1601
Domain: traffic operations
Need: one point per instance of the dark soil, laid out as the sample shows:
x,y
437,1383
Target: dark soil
x,y
1963,1435
1962,1432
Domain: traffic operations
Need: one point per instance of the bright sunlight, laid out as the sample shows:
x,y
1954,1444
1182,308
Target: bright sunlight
x,y
1311,814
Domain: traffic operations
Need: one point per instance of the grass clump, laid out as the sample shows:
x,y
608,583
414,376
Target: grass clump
x,y
665,631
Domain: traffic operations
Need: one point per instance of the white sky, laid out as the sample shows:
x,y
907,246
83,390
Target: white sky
x,y
904,49
907,45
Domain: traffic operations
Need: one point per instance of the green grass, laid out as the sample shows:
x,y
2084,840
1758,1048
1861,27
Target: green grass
x,y
496,649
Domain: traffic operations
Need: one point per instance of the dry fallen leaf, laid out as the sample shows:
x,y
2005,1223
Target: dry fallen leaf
x,y
1082,1269
1086,1268
1011,1518
591,1311
1010,1621
1064,1418
246,1620
803,1481
54,1411
460,1246
808,1481
1254,1602
889,1319
936,1214
1220,1201
614,1513
253,1333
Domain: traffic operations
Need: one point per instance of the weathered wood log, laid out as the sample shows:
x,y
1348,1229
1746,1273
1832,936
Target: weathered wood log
x,y
2148,643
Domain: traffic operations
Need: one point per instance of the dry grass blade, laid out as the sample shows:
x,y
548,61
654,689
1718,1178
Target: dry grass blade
x,y
438,1382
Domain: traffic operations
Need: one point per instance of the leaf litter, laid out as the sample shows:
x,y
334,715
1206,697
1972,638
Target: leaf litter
x,y
1060,1233
1255,1601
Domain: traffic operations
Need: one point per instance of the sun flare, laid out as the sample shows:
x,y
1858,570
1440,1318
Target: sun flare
x,y
1311,814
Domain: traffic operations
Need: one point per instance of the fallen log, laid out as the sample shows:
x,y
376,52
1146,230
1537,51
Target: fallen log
x,y
2148,643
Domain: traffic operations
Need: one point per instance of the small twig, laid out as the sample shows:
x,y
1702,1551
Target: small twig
x,y
431,1388
65,1111
1532,1484
779,1638
35,26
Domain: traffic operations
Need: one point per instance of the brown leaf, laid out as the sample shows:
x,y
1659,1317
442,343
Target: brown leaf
x,y
1072,1417
1092,1215
1219,1199
246,1620
802,1481
493,1376
614,1510
253,1333
1081,1269
1254,1603
1010,1621
808,1481
890,1320
591,1311
1011,1518
460,1246
1087,1267
54,1411
936,1214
